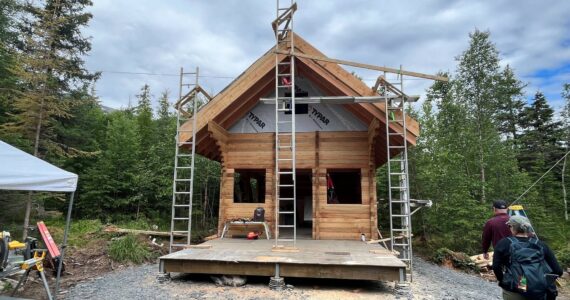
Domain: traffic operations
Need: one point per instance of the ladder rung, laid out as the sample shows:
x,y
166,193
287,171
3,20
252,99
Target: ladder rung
x,y
182,193
396,147
285,173
285,159
286,74
396,121
284,122
284,86
286,185
286,226
284,133
286,199
185,143
183,167
181,205
184,155
181,218
179,245
284,63
183,180
397,174
400,245
286,212
396,160
400,216
285,147
399,188
286,240
400,229
179,231
398,201
283,109
396,133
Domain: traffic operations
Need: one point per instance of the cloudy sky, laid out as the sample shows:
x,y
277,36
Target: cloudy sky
x,y
143,41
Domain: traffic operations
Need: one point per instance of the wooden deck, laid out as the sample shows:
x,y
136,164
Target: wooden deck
x,y
314,259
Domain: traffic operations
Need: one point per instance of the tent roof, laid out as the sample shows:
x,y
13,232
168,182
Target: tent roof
x,y
24,172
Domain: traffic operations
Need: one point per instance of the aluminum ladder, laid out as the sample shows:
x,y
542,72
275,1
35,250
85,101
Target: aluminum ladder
x,y
285,148
183,181
398,179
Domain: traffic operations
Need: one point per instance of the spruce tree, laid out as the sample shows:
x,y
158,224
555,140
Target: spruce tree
x,y
510,103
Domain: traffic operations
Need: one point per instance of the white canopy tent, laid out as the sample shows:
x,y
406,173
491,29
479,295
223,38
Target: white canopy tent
x,y
24,172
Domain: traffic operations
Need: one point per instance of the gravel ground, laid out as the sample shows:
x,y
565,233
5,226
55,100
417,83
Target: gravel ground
x,y
430,282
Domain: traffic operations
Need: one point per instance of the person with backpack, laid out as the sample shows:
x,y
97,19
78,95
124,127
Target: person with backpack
x,y
524,266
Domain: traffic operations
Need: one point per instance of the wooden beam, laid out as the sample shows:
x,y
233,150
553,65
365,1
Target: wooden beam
x,y
367,66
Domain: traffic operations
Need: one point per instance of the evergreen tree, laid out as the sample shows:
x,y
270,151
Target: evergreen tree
x,y
109,184
510,103
8,81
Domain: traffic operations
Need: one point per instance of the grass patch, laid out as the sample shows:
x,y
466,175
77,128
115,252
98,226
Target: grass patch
x,y
129,249
80,233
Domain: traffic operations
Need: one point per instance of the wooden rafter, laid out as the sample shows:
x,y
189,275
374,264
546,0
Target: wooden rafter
x,y
368,66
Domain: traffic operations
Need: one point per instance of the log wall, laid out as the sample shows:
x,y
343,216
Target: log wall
x,y
316,151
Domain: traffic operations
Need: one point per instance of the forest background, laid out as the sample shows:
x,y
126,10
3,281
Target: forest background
x,y
481,139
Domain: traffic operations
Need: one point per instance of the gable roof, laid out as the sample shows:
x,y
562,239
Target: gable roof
x,y
258,80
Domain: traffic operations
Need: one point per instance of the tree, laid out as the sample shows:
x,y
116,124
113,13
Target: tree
x,y
476,82
8,81
50,70
566,139
510,103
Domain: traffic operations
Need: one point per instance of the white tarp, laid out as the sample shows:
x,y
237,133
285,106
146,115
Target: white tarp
x,y
24,172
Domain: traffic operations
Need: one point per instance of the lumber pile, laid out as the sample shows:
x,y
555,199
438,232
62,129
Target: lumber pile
x,y
481,262
136,231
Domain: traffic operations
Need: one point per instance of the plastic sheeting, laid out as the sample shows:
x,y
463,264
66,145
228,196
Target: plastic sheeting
x,y
24,172
318,117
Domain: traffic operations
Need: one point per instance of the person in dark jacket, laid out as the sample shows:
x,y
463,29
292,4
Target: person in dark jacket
x,y
521,229
496,228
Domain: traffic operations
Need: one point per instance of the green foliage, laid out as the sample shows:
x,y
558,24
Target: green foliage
x,y
81,231
129,249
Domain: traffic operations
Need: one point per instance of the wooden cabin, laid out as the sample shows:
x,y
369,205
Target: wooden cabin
x,y
345,141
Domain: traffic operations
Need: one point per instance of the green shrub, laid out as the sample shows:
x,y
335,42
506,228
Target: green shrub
x,y
129,249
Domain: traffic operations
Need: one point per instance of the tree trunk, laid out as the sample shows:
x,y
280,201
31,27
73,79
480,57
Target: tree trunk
x,y
36,152
482,165
564,190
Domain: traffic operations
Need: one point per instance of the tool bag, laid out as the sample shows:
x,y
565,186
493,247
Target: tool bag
x,y
259,214
527,272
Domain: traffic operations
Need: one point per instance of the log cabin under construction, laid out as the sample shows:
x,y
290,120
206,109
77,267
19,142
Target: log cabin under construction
x,y
339,146
347,142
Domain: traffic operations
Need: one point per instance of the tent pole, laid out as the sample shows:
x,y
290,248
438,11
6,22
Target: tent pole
x,y
64,244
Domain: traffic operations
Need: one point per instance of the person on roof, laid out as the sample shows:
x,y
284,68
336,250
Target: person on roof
x,y
496,228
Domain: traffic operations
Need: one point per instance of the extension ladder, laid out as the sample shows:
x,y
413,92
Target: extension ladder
x,y
183,182
398,179
285,148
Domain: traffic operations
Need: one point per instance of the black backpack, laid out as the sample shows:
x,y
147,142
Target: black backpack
x,y
527,261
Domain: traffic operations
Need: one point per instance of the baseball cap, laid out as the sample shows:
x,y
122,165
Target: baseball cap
x,y
520,223
500,204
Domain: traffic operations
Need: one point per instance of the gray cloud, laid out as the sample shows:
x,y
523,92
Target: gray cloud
x,y
224,37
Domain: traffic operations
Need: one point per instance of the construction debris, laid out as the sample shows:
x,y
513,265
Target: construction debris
x,y
136,231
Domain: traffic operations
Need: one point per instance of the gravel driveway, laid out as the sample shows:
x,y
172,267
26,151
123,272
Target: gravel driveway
x,y
430,282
